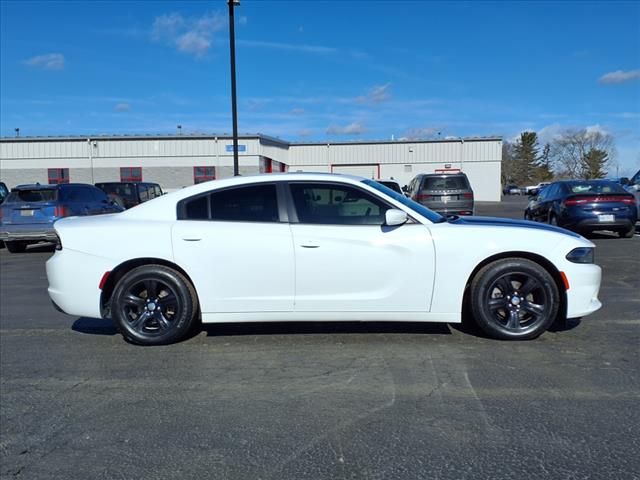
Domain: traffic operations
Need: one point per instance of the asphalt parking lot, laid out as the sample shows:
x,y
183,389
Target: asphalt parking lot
x,y
321,401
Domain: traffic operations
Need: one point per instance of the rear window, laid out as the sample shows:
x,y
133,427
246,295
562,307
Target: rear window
x,y
445,183
124,190
33,196
595,187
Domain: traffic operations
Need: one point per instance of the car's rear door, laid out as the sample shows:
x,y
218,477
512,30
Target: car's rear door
x,y
347,260
237,248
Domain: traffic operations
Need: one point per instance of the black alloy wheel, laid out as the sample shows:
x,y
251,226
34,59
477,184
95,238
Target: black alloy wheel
x,y
514,299
154,305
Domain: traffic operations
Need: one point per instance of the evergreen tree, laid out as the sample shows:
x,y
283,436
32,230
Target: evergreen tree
x,y
544,170
593,164
526,157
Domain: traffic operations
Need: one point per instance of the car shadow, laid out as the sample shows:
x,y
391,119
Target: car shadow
x,y
324,328
94,326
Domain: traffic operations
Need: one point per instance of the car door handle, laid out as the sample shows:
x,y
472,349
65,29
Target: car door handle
x,y
309,244
191,239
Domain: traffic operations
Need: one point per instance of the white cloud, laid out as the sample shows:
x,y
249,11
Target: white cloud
x,y
355,128
619,76
122,107
190,35
377,94
49,61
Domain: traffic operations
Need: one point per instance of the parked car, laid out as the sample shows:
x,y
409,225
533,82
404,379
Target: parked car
x,y
445,193
319,247
130,194
585,206
29,212
4,192
392,184
511,190
632,186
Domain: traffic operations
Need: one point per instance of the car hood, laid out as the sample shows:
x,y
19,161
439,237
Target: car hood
x,y
508,222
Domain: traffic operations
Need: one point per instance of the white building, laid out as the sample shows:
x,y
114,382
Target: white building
x,y
175,161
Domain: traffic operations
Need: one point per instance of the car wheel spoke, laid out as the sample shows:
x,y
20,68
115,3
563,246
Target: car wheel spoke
x,y
139,323
163,322
533,308
514,320
496,303
133,300
168,300
151,286
504,284
529,286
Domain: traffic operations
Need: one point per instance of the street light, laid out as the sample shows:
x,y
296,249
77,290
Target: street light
x,y
234,107
17,129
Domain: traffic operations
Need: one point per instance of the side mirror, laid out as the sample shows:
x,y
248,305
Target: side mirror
x,y
405,189
394,217
533,192
624,181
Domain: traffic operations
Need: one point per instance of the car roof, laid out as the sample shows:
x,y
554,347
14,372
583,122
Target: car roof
x,y
49,186
442,174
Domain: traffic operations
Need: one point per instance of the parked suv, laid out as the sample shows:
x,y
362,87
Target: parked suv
x,y
130,194
28,213
4,191
445,193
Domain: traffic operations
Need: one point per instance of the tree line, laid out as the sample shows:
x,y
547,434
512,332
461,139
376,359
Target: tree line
x,y
572,154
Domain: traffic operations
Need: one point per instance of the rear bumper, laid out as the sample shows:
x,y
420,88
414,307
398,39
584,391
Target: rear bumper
x,y
27,233
594,224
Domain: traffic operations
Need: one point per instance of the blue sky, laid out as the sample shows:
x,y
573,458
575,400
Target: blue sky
x,y
324,70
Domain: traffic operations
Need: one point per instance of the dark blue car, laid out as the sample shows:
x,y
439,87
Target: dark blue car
x,y
585,206
28,213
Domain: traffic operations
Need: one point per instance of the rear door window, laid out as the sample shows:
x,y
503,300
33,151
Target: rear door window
x,y
445,183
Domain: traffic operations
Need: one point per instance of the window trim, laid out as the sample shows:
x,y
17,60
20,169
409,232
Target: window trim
x,y
293,214
280,203
65,180
130,179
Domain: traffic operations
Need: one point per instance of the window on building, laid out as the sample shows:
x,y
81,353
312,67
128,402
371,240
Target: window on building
x,y
203,174
130,174
333,204
58,175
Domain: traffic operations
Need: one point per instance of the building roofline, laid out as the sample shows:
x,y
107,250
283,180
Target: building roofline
x,y
227,136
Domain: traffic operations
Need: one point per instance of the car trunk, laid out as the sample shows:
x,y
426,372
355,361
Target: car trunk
x,y
446,193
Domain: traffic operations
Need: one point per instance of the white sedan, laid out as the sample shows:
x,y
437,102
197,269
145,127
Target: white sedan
x,y
314,247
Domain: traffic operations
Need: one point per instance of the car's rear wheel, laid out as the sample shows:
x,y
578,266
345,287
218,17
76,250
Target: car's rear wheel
x,y
514,299
16,246
154,305
628,233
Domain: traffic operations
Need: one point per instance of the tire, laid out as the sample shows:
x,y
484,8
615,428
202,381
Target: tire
x,y
628,233
154,305
514,299
15,246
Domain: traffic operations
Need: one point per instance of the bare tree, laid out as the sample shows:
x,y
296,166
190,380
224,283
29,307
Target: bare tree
x,y
570,150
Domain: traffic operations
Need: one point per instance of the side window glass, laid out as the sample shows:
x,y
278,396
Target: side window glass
x,y
98,195
143,193
73,194
330,204
256,203
197,209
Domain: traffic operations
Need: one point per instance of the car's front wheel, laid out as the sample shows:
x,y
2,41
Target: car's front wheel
x,y
514,299
154,305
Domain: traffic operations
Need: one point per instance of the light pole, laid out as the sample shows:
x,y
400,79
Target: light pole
x,y
234,106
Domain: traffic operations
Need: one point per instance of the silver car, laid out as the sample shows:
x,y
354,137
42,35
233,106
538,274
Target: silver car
x,y
445,193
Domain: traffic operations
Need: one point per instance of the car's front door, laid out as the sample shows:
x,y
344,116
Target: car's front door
x,y
348,260
236,249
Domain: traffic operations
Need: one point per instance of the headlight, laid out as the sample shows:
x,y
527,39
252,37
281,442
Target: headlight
x,y
581,255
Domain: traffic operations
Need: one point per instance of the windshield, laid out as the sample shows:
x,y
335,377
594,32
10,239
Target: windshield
x,y
407,202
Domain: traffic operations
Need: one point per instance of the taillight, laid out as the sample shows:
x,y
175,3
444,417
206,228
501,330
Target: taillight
x,y
629,200
468,196
60,211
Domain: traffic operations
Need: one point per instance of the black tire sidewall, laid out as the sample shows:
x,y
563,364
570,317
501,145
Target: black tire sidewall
x,y
182,289
485,278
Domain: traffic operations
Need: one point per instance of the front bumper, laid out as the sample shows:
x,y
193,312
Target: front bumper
x,y
584,286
